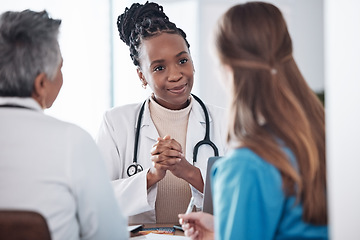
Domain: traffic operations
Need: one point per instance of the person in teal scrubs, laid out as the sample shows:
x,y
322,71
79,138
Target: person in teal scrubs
x,y
272,183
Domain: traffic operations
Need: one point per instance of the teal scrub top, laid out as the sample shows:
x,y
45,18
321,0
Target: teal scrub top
x,y
249,202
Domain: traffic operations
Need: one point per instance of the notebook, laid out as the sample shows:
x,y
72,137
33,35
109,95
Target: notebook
x,y
207,202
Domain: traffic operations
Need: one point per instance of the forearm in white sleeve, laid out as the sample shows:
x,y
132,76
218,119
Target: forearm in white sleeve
x,y
132,193
198,196
98,213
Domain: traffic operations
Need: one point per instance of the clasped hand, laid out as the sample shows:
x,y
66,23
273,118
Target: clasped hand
x,y
167,154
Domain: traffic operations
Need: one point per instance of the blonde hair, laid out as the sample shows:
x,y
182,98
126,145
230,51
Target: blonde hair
x,y
271,104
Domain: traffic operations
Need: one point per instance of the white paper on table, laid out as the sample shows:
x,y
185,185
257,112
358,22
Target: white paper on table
x,y
133,227
139,237
154,236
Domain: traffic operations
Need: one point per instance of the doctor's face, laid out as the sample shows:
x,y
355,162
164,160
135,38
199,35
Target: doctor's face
x,y
166,65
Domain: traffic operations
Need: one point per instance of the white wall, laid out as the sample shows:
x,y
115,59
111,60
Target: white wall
x,y
305,23
85,44
342,72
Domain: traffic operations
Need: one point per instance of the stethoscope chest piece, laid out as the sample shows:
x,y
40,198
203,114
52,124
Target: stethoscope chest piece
x,y
133,169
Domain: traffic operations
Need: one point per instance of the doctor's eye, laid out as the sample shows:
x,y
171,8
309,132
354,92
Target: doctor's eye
x,y
158,68
183,61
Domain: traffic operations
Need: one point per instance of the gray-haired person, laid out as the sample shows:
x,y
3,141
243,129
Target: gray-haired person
x,y
47,165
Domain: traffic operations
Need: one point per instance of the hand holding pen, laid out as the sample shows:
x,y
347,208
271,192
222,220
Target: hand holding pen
x,y
197,225
188,210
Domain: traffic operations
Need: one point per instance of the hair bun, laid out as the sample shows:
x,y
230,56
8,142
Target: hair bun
x,y
137,13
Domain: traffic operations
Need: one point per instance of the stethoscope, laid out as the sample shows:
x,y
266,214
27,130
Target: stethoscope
x,y
15,106
135,167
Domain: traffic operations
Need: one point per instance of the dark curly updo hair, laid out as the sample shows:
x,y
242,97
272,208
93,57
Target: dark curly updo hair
x,y
142,21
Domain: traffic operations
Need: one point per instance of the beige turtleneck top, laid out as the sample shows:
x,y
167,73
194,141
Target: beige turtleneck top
x,y
173,194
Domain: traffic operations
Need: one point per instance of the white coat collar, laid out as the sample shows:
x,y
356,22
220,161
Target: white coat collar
x,y
147,126
196,129
196,120
25,102
198,112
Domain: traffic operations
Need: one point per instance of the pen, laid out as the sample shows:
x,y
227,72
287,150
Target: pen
x,y
190,206
178,227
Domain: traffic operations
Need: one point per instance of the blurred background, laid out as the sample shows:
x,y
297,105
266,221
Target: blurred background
x,y
98,71
99,74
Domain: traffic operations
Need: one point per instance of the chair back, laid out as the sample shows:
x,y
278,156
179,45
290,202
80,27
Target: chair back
x,y
23,225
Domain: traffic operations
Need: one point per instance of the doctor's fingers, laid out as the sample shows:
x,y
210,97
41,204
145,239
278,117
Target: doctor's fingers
x,y
165,160
163,144
160,149
169,153
161,167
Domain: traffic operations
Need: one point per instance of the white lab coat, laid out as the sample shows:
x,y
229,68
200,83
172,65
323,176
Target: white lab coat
x,y
116,141
55,168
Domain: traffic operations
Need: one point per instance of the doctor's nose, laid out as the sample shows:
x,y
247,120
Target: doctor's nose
x,y
174,74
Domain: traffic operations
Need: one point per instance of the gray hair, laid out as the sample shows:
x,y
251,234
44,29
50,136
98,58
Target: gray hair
x,y
28,46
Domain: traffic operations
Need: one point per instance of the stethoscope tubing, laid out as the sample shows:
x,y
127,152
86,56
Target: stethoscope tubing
x,y
135,167
206,139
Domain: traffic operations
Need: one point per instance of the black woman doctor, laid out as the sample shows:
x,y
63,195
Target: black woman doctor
x,y
150,147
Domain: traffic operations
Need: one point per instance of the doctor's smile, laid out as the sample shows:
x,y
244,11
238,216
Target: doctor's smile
x,y
178,90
